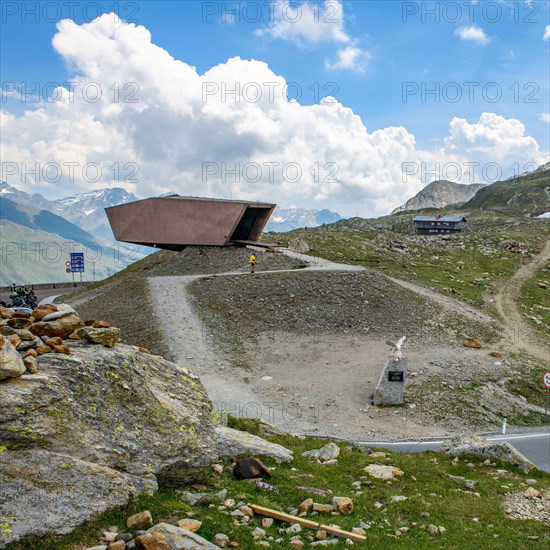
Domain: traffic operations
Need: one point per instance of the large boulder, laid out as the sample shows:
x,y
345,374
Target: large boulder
x,y
498,450
115,408
231,442
299,245
11,363
61,327
107,336
45,492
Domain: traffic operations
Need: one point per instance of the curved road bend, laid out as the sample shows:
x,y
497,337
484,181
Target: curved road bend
x,y
535,446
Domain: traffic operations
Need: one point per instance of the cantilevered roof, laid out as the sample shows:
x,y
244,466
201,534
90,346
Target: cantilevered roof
x,y
175,222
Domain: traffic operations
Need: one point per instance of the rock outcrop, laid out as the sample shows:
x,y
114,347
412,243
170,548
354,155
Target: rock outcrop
x,y
499,450
233,442
46,492
440,193
96,426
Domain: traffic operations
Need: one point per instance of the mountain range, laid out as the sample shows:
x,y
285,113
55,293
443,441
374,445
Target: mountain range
x,y
85,209
504,195
439,194
287,219
35,245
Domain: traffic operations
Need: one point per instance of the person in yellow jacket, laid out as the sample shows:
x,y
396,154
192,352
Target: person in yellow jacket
x,y
252,262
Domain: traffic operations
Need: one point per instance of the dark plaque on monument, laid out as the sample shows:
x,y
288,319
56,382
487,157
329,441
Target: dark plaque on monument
x,y
395,376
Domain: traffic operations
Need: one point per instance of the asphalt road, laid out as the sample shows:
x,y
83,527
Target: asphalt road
x,y
535,446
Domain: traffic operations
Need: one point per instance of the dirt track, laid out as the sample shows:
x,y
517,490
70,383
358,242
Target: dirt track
x,y
517,332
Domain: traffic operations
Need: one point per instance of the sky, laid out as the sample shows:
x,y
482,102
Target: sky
x,y
351,106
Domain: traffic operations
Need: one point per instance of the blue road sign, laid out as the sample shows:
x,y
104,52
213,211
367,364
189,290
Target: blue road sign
x,y
77,262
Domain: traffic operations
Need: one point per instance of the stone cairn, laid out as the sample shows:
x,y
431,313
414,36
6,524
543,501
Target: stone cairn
x,y
48,329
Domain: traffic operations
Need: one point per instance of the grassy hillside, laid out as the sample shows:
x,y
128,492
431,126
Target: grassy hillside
x,y
524,196
430,497
465,266
34,256
42,220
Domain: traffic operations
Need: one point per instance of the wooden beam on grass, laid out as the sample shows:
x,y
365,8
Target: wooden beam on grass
x,y
307,523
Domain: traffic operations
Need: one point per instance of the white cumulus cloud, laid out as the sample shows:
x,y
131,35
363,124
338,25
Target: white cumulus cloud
x,y
160,126
307,22
546,35
351,57
473,34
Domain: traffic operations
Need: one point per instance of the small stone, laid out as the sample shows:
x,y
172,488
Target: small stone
x,y
432,529
378,454
109,536
531,492
41,350
343,505
321,535
296,543
139,521
117,545
229,503
267,523
190,524
531,481
55,341
442,530
31,353
221,540
31,363
258,532
306,505
62,349
126,537
472,343
19,322
151,542
294,529
398,498
218,468
247,511
323,507
14,339
101,324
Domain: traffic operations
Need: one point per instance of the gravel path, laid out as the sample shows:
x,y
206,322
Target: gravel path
x,y
192,345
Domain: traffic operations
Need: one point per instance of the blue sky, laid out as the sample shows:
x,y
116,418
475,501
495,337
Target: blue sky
x,y
379,59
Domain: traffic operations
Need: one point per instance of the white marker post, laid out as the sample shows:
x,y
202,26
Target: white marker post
x,y
546,382
504,426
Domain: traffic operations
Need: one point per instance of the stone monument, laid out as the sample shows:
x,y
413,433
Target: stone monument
x,y
391,386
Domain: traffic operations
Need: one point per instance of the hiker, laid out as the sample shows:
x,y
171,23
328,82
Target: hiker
x,y
252,262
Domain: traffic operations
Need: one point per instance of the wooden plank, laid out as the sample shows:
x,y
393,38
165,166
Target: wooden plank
x,y
307,523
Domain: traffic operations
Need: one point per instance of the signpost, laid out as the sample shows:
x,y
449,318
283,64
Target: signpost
x,y
546,382
76,264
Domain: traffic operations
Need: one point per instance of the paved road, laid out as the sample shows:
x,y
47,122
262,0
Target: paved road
x,y
535,446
